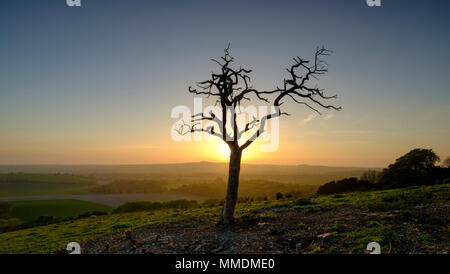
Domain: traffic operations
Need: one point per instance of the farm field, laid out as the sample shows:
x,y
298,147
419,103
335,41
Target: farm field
x,y
28,189
28,184
27,211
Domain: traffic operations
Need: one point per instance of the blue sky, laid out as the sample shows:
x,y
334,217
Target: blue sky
x,y
95,84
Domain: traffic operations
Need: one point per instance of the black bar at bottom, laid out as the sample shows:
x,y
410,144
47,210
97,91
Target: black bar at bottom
x,y
222,263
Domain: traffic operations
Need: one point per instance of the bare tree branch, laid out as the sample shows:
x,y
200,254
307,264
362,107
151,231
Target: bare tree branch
x,y
232,86
192,129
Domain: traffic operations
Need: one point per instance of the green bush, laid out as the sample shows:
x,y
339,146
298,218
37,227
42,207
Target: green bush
x,y
89,214
279,195
303,201
345,185
417,167
149,206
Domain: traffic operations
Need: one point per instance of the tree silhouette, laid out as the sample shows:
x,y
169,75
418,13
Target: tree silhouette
x,y
230,87
414,168
446,162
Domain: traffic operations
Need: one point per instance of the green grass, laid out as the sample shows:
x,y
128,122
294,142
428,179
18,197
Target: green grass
x,y
382,234
386,200
48,239
27,211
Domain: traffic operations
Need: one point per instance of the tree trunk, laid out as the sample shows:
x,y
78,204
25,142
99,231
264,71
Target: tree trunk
x,y
232,188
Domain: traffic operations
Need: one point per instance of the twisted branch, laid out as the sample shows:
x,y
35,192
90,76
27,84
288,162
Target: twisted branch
x,y
231,86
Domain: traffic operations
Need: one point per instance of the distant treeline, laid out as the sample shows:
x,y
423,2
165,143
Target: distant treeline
x,y
417,167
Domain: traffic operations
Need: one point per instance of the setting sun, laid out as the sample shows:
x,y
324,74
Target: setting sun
x,y
220,151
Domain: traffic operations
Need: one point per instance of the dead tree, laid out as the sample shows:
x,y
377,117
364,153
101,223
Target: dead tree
x,y
230,87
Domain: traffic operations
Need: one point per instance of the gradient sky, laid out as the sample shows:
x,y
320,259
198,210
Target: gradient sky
x,y
96,84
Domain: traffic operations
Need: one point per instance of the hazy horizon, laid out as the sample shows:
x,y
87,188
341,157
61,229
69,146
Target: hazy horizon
x,y
186,163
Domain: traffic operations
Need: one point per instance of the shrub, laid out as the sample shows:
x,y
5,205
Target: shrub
x,y
303,201
344,185
88,214
417,167
369,176
279,196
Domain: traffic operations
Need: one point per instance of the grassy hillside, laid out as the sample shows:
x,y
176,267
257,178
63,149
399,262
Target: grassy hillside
x,y
378,227
27,211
